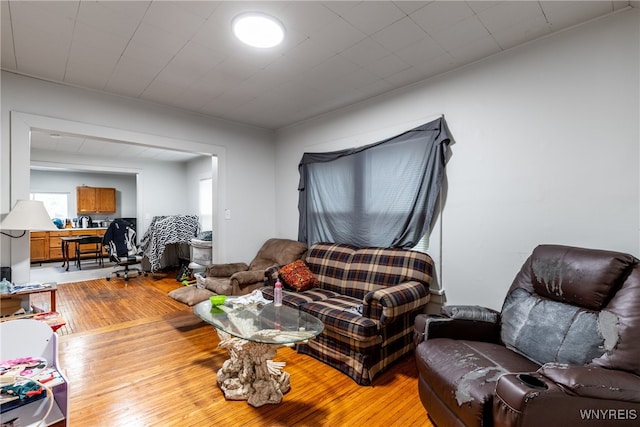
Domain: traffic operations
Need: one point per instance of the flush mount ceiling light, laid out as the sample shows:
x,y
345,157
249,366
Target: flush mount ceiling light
x,y
258,29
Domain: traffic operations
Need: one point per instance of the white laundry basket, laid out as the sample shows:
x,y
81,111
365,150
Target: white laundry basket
x,y
200,254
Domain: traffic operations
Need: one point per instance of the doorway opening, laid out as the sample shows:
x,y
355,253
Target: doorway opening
x,y
152,197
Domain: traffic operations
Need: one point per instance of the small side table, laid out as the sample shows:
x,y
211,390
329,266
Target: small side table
x,y
47,287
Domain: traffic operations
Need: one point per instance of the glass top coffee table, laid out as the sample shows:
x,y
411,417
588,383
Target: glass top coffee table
x,y
252,334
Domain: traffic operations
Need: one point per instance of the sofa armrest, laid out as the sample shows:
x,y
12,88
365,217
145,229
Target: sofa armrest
x,y
395,301
471,312
594,381
225,270
429,327
271,275
532,400
248,277
244,282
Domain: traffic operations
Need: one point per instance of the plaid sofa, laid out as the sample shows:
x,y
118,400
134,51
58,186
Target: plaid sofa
x,y
367,299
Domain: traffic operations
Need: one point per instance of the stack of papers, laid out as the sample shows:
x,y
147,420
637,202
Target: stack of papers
x,y
30,287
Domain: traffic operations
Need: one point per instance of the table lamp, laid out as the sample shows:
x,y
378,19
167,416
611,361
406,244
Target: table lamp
x,y
27,215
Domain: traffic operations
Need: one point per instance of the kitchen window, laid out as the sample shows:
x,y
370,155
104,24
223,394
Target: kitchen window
x,y
56,204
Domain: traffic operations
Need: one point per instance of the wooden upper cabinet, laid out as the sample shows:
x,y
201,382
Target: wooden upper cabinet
x,y
106,200
96,200
86,199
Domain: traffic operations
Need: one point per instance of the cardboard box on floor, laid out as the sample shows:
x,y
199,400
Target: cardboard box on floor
x,y
9,306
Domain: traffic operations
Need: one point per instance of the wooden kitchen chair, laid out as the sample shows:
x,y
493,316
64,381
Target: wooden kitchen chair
x,y
89,245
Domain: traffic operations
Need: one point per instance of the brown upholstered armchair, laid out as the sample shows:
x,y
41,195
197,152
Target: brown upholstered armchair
x,y
564,350
240,278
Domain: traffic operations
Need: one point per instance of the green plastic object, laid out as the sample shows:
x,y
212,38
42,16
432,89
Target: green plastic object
x,y
217,299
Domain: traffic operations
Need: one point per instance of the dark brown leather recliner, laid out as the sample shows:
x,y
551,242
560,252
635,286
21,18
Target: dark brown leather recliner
x,y
563,351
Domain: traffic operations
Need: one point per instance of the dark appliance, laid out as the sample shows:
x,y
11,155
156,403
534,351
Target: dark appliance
x,y
5,273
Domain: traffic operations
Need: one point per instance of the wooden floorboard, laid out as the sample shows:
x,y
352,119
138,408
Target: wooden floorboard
x,y
135,357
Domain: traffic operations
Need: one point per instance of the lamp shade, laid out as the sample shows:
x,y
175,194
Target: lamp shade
x,y
29,215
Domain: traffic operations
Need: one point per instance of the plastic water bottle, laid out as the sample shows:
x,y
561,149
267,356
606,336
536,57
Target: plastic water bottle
x,y
277,294
6,287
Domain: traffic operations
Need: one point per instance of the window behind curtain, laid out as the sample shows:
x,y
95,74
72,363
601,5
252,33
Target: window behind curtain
x,y
383,194
423,244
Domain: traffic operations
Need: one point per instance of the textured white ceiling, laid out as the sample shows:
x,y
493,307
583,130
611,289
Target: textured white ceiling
x,y
82,146
336,53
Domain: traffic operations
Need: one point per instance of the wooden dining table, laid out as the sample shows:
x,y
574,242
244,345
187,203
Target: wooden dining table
x,y
65,241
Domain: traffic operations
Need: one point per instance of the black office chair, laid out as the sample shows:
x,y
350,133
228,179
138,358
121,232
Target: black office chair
x,y
120,242
89,245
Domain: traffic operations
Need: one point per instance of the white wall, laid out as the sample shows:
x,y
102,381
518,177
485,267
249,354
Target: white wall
x,y
246,156
49,181
546,151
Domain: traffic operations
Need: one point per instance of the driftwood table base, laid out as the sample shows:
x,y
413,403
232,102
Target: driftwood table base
x,y
250,374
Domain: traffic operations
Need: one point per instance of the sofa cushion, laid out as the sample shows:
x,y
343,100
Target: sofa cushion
x,y
583,277
340,316
328,262
464,374
190,295
355,272
549,331
297,299
372,268
297,276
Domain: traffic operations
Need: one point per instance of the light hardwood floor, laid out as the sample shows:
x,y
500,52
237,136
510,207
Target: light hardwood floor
x,y
135,357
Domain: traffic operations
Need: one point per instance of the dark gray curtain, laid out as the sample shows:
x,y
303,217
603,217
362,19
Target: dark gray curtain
x,y
383,194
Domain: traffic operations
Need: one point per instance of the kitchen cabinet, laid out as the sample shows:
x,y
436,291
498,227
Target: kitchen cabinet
x,y
55,244
96,200
47,246
39,246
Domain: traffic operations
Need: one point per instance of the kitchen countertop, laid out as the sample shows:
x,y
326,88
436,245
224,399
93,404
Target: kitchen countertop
x,y
81,228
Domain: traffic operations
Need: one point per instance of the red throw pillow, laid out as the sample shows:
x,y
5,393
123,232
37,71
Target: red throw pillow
x,y
298,276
